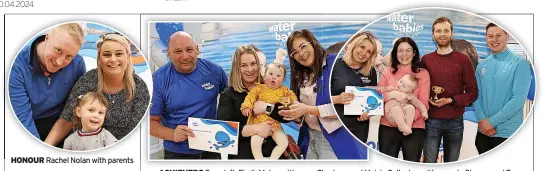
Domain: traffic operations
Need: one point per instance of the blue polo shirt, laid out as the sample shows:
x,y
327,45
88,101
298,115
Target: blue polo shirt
x,y
34,95
178,96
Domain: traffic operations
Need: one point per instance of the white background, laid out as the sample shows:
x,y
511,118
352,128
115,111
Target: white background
x,y
19,143
515,154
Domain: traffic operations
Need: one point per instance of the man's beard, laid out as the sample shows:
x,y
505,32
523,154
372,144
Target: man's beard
x,y
444,44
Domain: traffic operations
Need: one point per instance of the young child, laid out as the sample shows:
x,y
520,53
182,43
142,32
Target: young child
x,y
270,92
402,102
89,114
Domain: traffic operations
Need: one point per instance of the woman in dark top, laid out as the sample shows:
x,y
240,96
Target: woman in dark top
x,y
125,91
243,77
354,69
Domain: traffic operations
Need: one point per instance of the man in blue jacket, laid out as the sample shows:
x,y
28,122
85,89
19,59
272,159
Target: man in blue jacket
x,y
503,80
42,76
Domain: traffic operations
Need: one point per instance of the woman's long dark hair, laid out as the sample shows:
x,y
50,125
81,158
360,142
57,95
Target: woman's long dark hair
x,y
416,64
298,72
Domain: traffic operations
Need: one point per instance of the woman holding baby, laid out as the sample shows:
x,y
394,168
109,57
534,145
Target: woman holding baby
x,y
244,77
405,59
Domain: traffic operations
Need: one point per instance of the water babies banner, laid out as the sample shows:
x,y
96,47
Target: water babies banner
x,y
219,40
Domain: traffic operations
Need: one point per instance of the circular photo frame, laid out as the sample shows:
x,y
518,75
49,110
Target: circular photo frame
x,y
433,85
79,86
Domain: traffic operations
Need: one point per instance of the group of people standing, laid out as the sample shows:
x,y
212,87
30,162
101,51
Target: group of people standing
x,y
497,90
322,135
49,79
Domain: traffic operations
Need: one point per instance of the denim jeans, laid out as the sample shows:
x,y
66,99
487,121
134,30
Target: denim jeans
x,y
319,148
451,130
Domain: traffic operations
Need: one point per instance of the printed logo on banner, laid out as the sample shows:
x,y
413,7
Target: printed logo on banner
x,y
404,25
282,31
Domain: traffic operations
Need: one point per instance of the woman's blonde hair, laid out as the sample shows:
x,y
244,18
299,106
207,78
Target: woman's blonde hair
x,y
87,98
348,57
73,29
235,73
128,80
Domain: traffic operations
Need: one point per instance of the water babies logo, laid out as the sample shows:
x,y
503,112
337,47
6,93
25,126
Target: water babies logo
x,y
404,25
223,140
208,86
281,31
372,104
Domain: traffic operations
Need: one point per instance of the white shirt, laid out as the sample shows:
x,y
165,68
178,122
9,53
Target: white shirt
x,y
309,97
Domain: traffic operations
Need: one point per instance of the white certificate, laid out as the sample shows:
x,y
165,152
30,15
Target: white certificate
x,y
214,135
366,99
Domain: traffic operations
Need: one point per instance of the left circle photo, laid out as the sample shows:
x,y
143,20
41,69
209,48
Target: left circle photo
x,y
79,86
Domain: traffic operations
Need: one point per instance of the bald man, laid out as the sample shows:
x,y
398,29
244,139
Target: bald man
x,y
187,86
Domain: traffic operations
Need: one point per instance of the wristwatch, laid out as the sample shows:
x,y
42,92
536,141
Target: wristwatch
x,y
452,98
268,108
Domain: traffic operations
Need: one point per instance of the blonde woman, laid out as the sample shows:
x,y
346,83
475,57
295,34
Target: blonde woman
x,y
126,92
245,74
354,69
37,90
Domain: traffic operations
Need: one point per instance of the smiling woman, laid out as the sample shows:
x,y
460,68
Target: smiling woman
x,y
321,136
114,77
354,69
48,78
463,113
245,77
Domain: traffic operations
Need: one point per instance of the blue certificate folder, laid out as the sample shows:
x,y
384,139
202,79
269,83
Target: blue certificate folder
x,y
366,99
